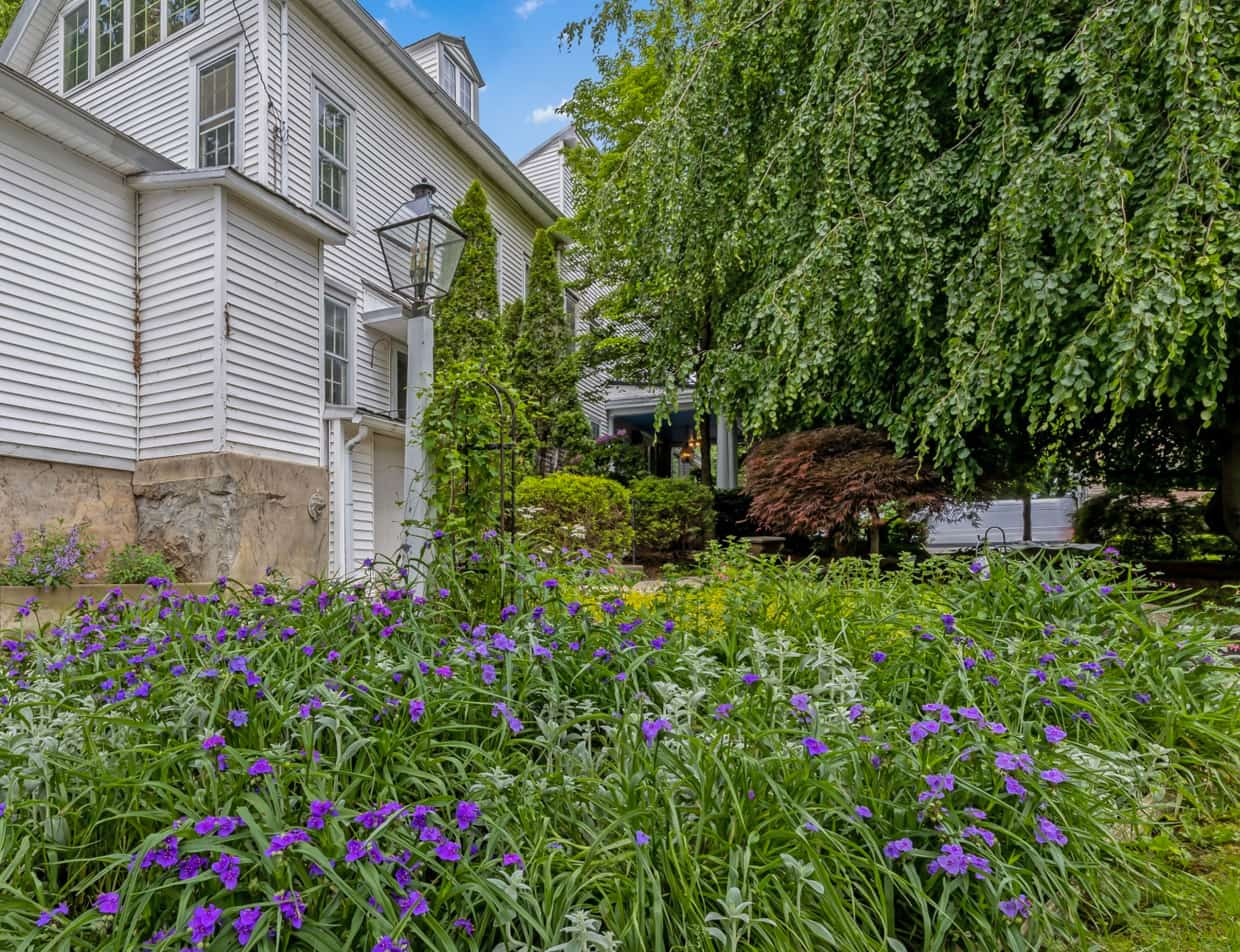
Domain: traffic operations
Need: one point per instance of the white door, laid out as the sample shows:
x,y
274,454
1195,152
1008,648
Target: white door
x,y
389,494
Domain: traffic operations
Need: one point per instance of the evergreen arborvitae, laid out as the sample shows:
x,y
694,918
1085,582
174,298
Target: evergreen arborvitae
x,y
544,364
510,326
467,318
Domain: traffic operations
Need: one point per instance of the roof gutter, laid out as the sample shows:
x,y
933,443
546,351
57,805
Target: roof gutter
x,y
247,189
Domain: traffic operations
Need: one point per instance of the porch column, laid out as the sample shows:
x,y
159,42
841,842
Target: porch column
x,y
420,342
725,453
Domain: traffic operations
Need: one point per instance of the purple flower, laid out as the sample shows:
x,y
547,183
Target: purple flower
x,y
1012,785
513,859
320,810
723,711
291,906
46,917
260,767
920,730
488,674
863,811
215,740
878,657
551,583
238,718
855,712
750,678
202,923
814,747
1008,761
949,623
1018,907
897,848
800,702
245,922
640,838
1141,698
1054,776
414,904
652,728
467,814
1054,734
417,708
464,924
448,851
1048,832
228,868
954,861
108,903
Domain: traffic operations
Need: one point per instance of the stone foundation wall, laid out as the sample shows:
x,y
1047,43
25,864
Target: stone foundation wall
x,y
34,494
231,514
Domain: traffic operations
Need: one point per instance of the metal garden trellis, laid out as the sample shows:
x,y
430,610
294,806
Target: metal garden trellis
x,y
506,418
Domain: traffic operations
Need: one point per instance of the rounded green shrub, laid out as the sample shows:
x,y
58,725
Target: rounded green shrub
x,y
570,511
672,515
133,565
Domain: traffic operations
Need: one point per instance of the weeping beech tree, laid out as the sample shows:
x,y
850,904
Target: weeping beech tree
x,y
1004,233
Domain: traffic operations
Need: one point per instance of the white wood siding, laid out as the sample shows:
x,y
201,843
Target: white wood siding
x,y
394,147
427,57
151,96
543,170
363,501
66,316
273,355
179,331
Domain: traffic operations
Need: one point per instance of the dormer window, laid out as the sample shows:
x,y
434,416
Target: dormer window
x,y
456,82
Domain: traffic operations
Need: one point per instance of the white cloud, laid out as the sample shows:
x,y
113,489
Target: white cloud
x,y
409,5
526,7
546,113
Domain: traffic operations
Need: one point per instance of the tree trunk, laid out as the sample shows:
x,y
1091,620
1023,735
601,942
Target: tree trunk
x,y
875,536
1026,517
705,445
1229,482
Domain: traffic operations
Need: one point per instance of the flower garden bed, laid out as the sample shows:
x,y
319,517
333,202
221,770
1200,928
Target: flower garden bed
x,y
785,757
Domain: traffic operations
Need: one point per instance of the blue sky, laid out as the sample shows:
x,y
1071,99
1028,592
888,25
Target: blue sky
x,y
516,45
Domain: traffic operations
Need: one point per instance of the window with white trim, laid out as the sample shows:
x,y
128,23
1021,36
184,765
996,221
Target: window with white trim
x,y
457,83
145,24
183,13
77,46
335,352
109,34
333,161
217,112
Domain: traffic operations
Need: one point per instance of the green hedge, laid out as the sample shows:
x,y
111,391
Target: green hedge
x,y
672,515
570,511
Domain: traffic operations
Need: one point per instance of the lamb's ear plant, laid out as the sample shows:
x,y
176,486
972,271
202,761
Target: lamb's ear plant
x,y
520,753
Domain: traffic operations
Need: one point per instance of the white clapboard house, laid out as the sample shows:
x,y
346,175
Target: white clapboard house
x,y
202,346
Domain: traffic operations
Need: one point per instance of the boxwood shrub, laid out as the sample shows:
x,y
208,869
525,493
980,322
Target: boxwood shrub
x,y
570,511
672,515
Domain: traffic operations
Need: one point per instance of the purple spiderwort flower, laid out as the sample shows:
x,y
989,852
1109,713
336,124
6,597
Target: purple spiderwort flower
x,y
467,814
246,921
641,838
897,848
260,767
108,903
1048,832
291,906
878,657
1054,734
228,868
1018,907
448,851
723,711
652,728
814,747
45,918
863,812
202,923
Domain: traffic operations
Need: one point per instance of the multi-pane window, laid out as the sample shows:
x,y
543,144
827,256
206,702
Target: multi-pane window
x,y
400,382
181,13
109,33
77,46
217,112
333,157
144,24
105,21
456,83
335,352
